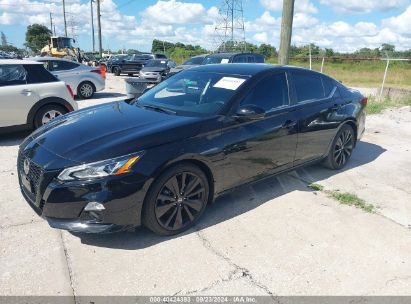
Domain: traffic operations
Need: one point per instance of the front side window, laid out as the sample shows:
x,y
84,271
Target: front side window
x,y
308,86
270,93
11,74
193,93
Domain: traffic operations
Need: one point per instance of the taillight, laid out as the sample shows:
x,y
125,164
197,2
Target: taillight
x,y
364,100
70,91
101,71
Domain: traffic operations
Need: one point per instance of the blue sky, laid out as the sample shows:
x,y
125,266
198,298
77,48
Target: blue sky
x,y
343,25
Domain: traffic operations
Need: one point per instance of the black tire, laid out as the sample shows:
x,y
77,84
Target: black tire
x,y
167,215
116,71
86,90
341,148
42,113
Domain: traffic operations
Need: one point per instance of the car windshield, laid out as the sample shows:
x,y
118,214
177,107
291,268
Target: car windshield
x,y
194,60
192,93
216,59
156,63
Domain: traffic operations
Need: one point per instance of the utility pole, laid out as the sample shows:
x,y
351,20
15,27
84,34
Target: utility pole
x,y
286,31
100,44
64,16
51,23
92,25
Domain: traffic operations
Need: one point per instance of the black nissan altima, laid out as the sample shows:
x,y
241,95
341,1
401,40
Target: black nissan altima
x,y
160,159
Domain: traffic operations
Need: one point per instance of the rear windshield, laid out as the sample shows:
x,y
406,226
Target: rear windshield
x,y
194,60
216,59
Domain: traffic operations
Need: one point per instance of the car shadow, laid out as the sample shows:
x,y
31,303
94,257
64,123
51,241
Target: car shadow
x,y
13,139
236,202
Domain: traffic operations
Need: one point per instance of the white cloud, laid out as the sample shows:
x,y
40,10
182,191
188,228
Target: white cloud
x,y
401,23
174,12
300,6
261,37
363,6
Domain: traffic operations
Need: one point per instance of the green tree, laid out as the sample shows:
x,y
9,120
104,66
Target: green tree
x,y
267,50
37,36
3,39
329,52
386,47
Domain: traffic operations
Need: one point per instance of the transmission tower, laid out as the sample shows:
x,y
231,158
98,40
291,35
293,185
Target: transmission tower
x,y
229,30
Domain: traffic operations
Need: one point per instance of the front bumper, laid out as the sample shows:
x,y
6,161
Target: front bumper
x,y
83,226
62,204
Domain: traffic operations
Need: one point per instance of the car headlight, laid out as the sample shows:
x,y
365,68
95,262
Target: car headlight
x,y
114,166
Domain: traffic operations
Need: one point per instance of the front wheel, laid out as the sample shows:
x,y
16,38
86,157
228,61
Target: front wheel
x,y
177,200
116,71
341,149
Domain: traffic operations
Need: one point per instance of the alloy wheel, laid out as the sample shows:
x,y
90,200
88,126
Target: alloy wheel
x,y
86,90
49,115
343,147
180,201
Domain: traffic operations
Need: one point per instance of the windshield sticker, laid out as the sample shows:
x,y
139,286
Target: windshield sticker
x,y
225,60
229,83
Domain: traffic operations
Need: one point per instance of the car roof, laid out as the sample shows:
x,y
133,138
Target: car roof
x,y
236,68
249,69
49,58
17,61
231,54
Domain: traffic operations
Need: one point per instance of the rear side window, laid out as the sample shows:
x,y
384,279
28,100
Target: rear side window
x,y
269,93
308,86
12,74
328,85
259,59
56,65
36,73
240,59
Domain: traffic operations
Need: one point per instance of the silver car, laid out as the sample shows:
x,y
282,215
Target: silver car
x,y
155,70
84,80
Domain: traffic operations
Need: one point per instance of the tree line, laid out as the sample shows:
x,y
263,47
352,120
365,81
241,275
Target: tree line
x,y
37,36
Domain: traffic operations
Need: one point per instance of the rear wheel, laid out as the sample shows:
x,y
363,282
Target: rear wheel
x,y
177,199
48,113
341,149
116,71
86,90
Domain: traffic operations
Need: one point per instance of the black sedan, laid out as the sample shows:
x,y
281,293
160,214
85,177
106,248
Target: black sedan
x,y
160,159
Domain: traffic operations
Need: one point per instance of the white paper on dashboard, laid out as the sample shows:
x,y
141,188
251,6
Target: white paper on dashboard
x,y
229,83
225,60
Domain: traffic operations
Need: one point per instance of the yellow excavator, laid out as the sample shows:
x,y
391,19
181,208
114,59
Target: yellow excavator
x,y
62,47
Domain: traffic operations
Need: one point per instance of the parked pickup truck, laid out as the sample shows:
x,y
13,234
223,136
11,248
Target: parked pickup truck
x,y
133,63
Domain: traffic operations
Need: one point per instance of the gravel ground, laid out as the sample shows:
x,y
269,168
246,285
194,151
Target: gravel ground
x,y
275,237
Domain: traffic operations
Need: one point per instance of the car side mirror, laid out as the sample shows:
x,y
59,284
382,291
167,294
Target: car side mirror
x,y
249,112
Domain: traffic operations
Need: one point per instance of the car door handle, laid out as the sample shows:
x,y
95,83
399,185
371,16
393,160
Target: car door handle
x,y
289,124
25,92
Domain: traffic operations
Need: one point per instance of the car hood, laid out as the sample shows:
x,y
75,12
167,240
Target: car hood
x,y
111,130
153,69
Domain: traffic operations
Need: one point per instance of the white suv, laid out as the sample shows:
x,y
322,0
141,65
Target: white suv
x,y
30,96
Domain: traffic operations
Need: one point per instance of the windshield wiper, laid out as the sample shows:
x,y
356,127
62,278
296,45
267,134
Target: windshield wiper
x,y
157,108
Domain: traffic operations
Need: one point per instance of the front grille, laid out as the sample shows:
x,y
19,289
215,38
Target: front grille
x,y
34,174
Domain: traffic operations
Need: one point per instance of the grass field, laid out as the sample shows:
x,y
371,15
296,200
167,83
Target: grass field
x,y
364,73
